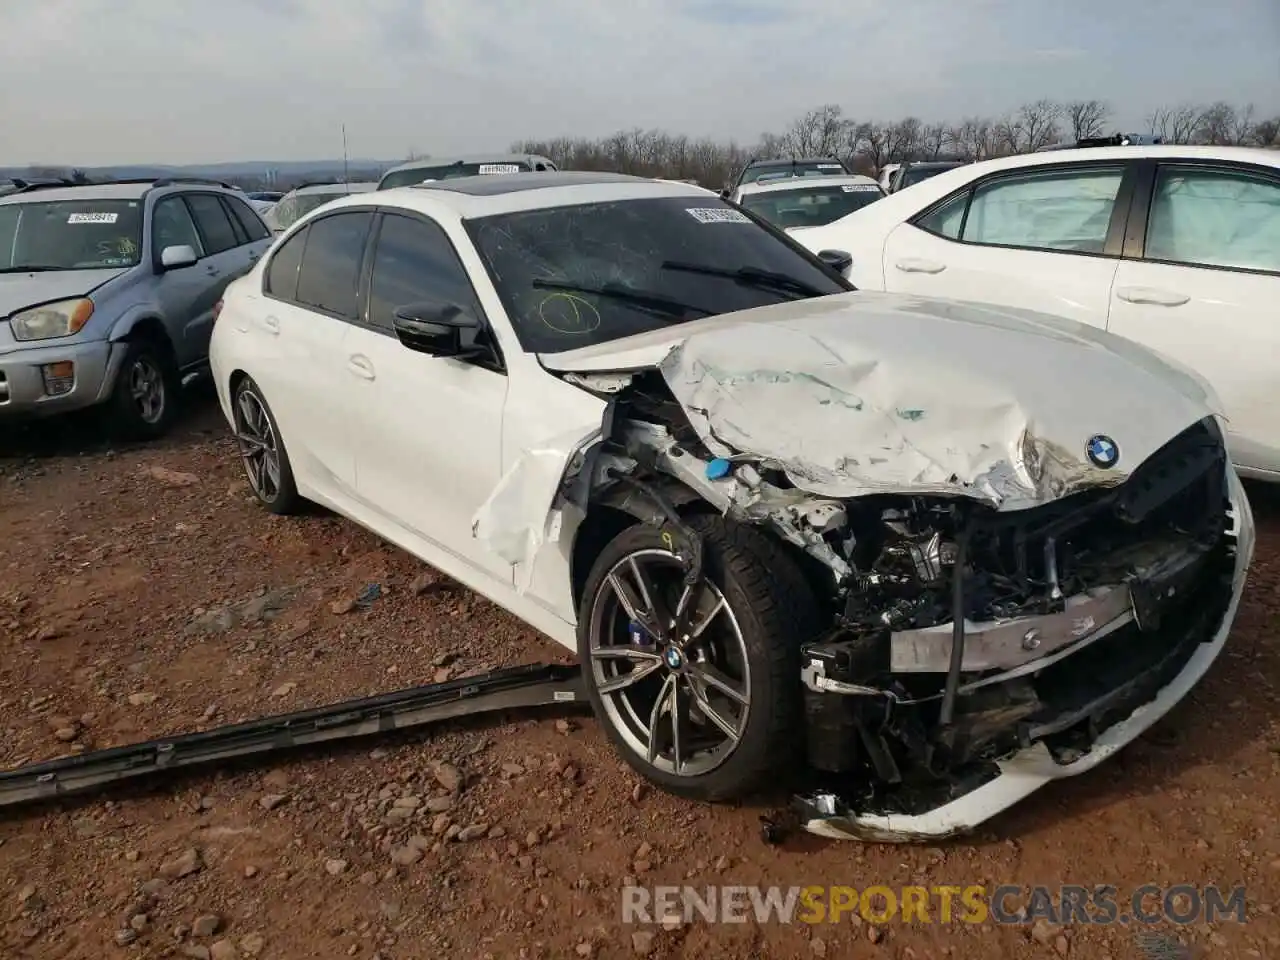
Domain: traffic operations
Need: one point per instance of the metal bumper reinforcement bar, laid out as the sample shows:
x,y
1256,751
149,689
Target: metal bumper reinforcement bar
x,y
509,689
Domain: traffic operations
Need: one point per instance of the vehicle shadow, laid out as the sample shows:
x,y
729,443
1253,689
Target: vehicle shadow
x,y
84,433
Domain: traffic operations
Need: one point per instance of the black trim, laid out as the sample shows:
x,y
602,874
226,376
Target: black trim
x,y
1113,242
237,228
1135,236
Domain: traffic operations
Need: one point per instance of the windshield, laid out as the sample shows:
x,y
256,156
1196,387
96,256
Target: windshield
x,y
811,206
576,276
294,206
803,168
916,174
451,171
82,234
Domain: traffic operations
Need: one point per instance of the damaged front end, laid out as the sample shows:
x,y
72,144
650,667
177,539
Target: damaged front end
x,y
965,640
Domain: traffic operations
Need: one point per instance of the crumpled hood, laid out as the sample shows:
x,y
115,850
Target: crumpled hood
x,y
869,392
21,290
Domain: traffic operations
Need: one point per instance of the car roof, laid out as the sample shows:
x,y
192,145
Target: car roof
x,y
86,191
427,162
788,161
355,186
804,183
480,196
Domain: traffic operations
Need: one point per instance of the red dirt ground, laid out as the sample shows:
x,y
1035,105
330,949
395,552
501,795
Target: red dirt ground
x,y
113,577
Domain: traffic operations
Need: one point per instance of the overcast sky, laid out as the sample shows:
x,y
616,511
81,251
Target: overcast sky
x,y
186,81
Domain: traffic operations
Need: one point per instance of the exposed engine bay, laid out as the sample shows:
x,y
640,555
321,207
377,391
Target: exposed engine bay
x,y
958,634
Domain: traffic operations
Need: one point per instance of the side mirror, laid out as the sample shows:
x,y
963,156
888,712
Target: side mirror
x,y
177,257
838,260
437,328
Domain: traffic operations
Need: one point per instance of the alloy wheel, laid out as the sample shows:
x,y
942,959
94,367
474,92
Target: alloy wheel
x,y
258,446
147,390
670,664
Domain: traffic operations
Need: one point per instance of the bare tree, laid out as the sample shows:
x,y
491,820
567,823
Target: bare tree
x,y
1217,124
1087,118
934,139
1242,130
1266,133
818,133
1176,124
1037,125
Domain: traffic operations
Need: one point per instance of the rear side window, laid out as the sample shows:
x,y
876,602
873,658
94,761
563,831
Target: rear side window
x,y
282,271
249,221
1217,218
211,219
1068,211
329,278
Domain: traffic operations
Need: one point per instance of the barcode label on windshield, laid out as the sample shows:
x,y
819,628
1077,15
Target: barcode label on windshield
x,y
860,188
717,215
488,168
93,218
830,166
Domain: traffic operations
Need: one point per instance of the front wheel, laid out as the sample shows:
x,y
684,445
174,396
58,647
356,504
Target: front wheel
x,y
144,400
709,708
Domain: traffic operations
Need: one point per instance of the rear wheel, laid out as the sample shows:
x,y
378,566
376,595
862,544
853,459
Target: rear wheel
x,y
710,708
144,400
266,462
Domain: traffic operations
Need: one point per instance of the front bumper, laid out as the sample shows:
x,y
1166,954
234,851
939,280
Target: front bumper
x,y
23,391
1025,771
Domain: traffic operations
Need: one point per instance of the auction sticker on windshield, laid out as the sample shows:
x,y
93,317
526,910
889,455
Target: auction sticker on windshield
x,y
488,168
93,218
860,188
717,215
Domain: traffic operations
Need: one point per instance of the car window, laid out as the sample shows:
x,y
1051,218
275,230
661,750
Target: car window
x,y
329,278
947,219
212,222
579,275
1064,210
412,262
811,206
80,234
172,226
1219,218
282,271
249,221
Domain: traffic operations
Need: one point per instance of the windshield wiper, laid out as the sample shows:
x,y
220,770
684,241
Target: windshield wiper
x,y
645,300
31,268
750,276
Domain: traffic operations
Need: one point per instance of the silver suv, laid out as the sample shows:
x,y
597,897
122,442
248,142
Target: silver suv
x,y
108,294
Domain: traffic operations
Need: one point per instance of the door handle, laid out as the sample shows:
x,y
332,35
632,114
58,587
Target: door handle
x,y
359,365
914,265
272,325
253,257
1153,297
212,271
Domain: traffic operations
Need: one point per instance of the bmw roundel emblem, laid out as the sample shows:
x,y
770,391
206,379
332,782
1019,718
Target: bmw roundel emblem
x,y
1102,451
674,659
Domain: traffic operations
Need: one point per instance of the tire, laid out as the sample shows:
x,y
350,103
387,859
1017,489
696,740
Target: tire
x,y
261,445
145,397
771,611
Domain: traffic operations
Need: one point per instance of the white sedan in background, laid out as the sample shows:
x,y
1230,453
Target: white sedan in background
x,y
756,503
809,201
1175,247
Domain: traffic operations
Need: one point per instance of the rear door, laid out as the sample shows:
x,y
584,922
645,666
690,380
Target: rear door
x,y
1200,282
255,238
221,264
1043,238
309,312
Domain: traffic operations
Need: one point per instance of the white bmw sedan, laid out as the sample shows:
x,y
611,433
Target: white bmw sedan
x,y
783,524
